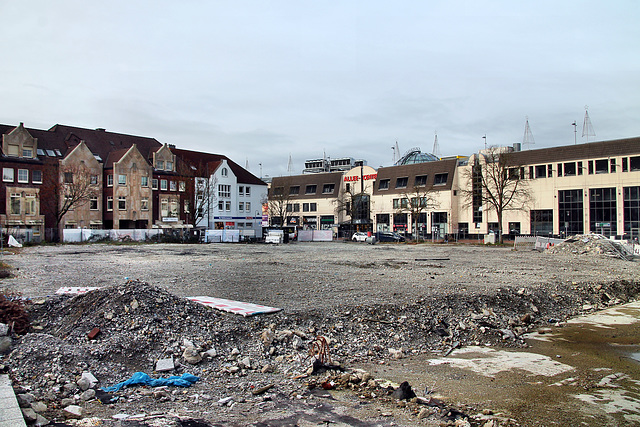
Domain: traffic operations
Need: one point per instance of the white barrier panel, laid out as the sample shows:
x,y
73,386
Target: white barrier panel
x,y
231,236
305,235
75,235
322,235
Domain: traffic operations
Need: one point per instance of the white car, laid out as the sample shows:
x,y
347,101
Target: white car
x,y
359,236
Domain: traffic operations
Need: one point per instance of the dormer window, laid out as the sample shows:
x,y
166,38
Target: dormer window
x,y
224,172
27,152
169,166
160,164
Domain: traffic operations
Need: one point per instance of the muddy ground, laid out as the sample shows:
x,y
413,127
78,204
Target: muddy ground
x,y
375,304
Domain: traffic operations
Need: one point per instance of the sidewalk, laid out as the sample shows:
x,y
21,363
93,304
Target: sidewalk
x,y
10,413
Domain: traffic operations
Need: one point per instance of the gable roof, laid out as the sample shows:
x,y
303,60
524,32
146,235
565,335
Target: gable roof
x,y
102,143
208,163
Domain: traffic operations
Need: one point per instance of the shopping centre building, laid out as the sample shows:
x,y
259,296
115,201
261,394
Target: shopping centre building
x,y
573,189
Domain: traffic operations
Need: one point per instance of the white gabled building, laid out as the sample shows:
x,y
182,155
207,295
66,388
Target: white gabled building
x,y
227,196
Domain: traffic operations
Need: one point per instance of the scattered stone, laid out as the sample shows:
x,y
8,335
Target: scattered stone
x,y
4,329
165,365
88,395
5,344
94,333
38,407
24,400
29,415
191,355
73,411
261,390
41,421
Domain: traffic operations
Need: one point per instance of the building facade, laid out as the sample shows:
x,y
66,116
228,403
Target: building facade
x,y
69,177
574,189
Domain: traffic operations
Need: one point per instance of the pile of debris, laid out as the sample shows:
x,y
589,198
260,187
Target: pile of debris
x,y
80,344
592,244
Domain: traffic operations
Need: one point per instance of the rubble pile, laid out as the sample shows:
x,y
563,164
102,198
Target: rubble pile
x,y
83,343
592,244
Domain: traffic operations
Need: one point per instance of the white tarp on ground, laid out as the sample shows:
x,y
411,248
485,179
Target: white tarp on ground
x,y
13,242
238,307
75,290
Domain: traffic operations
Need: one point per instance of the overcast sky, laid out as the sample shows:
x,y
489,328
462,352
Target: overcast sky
x,y
263,80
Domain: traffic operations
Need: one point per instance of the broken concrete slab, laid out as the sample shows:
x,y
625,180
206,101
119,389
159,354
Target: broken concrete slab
x,y
165,365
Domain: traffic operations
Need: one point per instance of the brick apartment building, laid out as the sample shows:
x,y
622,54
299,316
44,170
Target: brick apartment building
x,y
120,182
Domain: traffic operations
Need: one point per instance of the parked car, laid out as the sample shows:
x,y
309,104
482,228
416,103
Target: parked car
x,y
359,236
388,236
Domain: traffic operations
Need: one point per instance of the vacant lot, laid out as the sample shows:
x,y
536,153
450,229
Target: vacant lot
x,y
305,276
375,304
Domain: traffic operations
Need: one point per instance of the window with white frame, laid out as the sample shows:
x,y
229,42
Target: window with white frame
x,y
247,191
109,203
182,186
93,203
154,184
173,207
15,204
224,172
220,205
23,175
7,174
227,206
241,190
109,180
160,164
241,206
36,177
30,204
163,184
173,186
144,204
122,179
169,166
247,206
164,208
224,191
27,152
144,181
122,203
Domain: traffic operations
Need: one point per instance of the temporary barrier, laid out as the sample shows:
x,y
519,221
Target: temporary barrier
x,y
77,235
524,243
315,236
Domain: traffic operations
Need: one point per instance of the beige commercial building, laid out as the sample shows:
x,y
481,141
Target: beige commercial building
x,y
572,189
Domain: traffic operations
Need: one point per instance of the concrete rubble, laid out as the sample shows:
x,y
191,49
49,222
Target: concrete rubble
x,y
58,371
592,244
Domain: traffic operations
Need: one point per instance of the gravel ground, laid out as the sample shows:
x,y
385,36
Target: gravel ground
x,y
373,303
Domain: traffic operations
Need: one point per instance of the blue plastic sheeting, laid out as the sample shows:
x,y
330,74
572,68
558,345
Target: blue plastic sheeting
x,y
140,378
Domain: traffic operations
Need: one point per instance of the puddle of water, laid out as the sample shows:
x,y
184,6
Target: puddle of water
x,y
584,373
489,362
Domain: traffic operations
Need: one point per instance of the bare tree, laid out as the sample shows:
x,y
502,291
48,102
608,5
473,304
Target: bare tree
x,y
72,187
416,202
495,181
279,203
354,203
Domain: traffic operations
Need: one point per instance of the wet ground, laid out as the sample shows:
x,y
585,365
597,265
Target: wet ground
x,y
585,372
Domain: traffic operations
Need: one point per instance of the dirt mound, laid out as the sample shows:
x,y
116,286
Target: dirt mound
x,y
592,244
138,325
